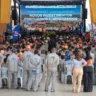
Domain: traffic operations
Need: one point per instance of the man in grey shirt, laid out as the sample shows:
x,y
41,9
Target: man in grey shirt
x,y
1,61
52,62
26,59
13,63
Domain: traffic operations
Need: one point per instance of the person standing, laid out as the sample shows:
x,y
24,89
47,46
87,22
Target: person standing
x,y
88,72
1,62
51,44
92,53
52,62
13,63
61,67
35,72
43,65
43,59
26,59
77,70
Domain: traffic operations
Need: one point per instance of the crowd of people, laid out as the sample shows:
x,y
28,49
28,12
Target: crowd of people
x,y
34,55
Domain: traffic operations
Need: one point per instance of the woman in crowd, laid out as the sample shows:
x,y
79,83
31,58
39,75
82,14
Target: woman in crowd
x,y
77,70
88,72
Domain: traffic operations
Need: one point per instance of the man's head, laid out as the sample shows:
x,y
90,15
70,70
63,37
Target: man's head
x,y
89,48
54,50
14,50
28,48
36,52
2,51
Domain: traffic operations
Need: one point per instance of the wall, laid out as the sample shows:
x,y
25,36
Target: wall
x,y
0,10
93,10
5,9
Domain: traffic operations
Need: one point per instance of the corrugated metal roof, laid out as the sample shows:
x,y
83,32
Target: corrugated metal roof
x,y
49,2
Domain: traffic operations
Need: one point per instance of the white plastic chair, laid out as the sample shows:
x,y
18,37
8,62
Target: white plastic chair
x,y
68,72
4,73
62,77
20,75
43,63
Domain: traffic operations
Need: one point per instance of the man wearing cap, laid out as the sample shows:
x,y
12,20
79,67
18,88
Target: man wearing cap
x,y
1,62
26,59
13,63
52,62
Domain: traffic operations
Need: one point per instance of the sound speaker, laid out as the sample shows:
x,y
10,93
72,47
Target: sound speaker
x,y
85,14
14,14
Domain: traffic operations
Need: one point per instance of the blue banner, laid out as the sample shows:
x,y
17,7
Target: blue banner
x,y
69,9
9,27
60,12
16,32
37,17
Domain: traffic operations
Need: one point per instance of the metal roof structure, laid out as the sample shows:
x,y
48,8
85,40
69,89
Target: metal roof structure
x,y
49,2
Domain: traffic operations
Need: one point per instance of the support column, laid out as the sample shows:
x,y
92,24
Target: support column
x,y
5,11
93,10
84,20
15,13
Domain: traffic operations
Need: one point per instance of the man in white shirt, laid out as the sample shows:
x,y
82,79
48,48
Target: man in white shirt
x,y
35,72
52,62
1,61
13,64
26,59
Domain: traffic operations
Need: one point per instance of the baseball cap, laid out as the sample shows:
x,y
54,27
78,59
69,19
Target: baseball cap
x,y
14,50
66,47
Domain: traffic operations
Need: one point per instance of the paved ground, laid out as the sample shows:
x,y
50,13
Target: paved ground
x,y
61,90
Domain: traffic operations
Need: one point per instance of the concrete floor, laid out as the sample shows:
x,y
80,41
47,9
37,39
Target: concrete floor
x,y
61,90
